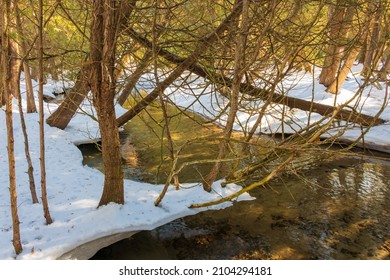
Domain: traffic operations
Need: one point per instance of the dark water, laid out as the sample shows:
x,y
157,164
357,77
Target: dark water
x,y
336,209
342,211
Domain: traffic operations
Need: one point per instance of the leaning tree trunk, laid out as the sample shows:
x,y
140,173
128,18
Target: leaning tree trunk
x,y
62,116
102,52
133,79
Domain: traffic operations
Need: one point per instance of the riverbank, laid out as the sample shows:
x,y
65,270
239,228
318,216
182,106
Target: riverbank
x,y
371,100
340,211
74,191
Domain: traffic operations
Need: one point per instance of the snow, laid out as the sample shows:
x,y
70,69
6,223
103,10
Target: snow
x,y
302,85
74,190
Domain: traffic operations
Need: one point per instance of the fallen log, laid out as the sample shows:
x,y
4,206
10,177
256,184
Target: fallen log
x,y
245,88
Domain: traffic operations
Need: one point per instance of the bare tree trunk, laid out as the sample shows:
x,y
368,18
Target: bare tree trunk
x,y
30,169
133,79
31,107
62,116
14,59
339,25
352,55
338,82
6,81
103,42
335,16
12,175
239,66
373,45
65,112
45,203
385,70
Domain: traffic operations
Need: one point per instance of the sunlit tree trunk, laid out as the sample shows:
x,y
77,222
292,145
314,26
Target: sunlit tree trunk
x,y
6,82
14,62
75,96
343,73
42,157
134,77
62,116
370,57
385,70
31,107
102,51
339,24
354,51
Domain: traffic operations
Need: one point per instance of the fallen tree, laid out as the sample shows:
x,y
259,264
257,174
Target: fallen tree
x,y
62,116
251,90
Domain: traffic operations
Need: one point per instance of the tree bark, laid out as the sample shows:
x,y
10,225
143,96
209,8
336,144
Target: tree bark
x,y
339,25
6,82
351,57
31,107
373,43
14,59
102,52
338,82
45,203
133,79
65,112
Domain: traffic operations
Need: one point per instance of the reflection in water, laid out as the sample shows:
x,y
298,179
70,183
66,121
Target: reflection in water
x,y
340,211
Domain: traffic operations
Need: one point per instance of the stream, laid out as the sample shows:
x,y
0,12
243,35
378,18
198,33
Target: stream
x,y
336,209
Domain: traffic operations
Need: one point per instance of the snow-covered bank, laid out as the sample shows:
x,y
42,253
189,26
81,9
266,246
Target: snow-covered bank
x,y
302,86
74,191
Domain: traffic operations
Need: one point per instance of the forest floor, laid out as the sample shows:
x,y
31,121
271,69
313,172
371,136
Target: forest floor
x,y
74,190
